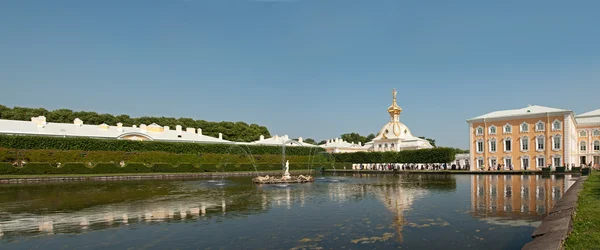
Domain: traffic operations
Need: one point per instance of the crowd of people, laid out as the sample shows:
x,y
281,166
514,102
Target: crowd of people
x,y
408,166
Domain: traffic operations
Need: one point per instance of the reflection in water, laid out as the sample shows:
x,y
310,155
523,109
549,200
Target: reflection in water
x,y
341,210
496,198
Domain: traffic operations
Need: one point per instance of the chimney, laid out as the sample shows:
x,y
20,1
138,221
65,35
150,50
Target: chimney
x,y
359,143
285,137
262,137
178,129
220,136
199,131
276,137
134,126
78,122
166,128
190,130
120,127
300,139
143,128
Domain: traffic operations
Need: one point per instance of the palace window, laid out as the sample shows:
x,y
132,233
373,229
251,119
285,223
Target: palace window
x,y
480,146
524,127
525,163
507,162
385,145
540,141
583,146
556,125
493,145
556,142
540,161
507,144
392,145
525,143
557,161
582,133
507,129
597,132
479,131
480,162
493,162
596,145
539,126
492,130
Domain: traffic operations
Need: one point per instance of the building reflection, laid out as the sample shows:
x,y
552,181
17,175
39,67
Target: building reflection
x,y
397,194
527,197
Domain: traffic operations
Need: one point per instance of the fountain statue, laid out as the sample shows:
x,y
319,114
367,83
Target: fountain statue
x,y
286,173
285,178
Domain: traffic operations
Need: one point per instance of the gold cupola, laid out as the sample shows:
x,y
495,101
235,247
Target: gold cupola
x,y
394,110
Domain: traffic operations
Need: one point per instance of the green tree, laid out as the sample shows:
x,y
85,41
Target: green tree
x,y
370,137
234,131
310,140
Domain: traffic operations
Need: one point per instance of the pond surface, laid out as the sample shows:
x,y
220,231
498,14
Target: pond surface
x,y
352,211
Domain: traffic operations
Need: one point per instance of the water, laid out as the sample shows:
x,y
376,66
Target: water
x,y
344,211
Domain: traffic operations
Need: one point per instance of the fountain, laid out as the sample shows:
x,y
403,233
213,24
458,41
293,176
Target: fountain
x,y
286,177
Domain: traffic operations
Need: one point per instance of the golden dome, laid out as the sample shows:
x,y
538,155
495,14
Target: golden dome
x,y
394,109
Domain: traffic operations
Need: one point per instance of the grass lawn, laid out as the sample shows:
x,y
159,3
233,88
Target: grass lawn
x,y
586,225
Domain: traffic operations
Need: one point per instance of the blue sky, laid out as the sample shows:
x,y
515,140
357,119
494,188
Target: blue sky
x,y
304,68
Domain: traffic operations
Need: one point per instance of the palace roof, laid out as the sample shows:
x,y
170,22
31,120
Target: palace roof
x,y
39,126
530,110
591,117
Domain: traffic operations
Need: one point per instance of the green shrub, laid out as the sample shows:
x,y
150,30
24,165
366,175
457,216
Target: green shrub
x,y
90,144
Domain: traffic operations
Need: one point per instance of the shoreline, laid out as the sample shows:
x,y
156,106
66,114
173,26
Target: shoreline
x,y
558,224
510,172
12,179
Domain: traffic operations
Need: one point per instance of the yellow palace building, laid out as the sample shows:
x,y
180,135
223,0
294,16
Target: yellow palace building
x,y
534,137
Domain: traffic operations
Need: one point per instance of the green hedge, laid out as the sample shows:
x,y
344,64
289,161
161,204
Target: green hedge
x,y
91,157
90,144
434,155
132,168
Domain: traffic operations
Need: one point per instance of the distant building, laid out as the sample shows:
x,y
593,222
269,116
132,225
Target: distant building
x,y
534,137
153,132
394,136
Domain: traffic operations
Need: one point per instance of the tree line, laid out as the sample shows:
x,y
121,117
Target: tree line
x,y
233,131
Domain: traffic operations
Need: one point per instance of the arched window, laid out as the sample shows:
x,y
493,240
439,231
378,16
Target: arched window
x,y
524,143
480,146
507,128
582,133
556,141
507,144
492,130
583,146
539,126
541,142
596,145
556,125
392,145
493,145
386,145
524,127
479,131
597,132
